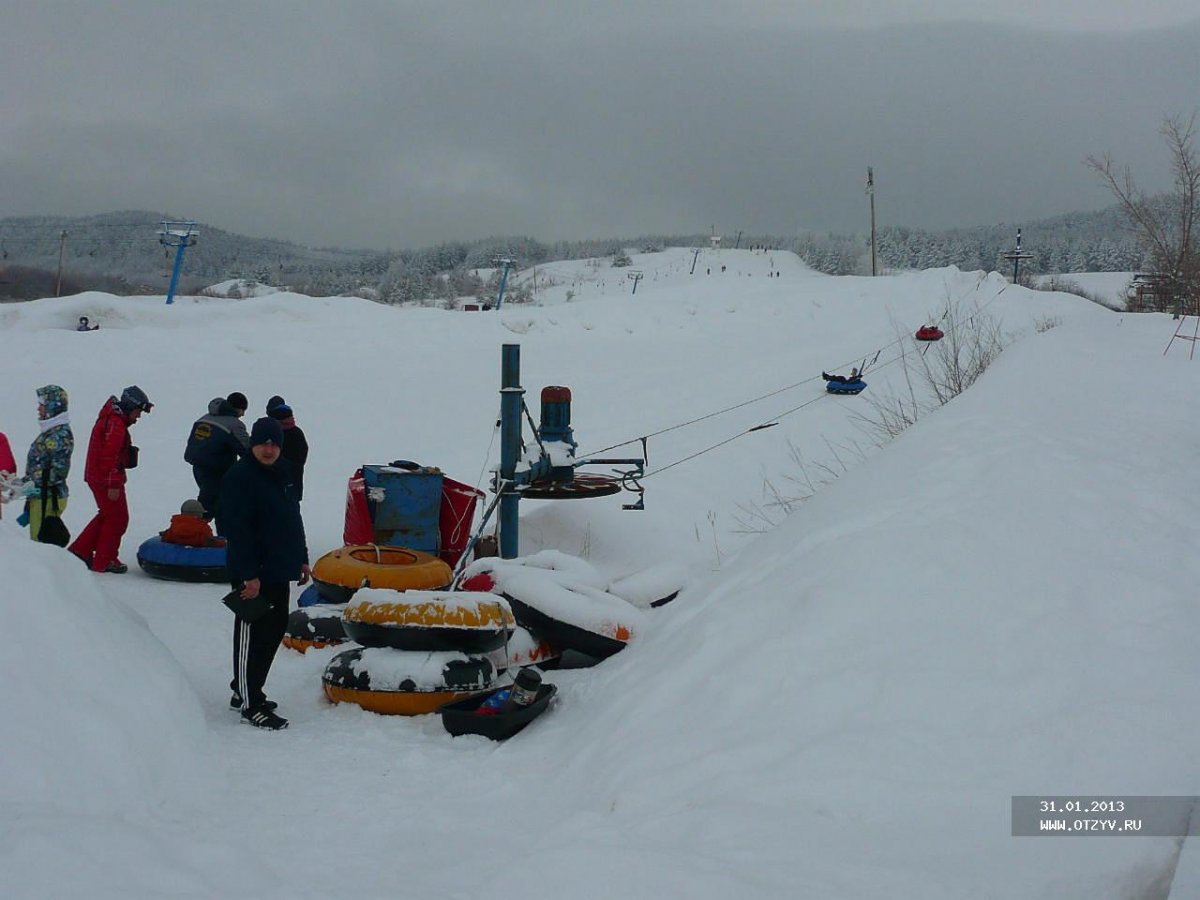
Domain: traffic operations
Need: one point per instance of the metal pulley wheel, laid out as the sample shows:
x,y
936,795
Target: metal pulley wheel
x,y
581,488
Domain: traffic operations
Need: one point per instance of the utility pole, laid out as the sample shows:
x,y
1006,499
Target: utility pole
x,y
508,263
695,256
1016,256
62,246
871,194
512,401
179,235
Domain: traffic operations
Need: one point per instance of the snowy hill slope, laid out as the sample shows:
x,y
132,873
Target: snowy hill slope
x,y
842,707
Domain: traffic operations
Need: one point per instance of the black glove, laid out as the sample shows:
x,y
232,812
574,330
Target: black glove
x,y
132,462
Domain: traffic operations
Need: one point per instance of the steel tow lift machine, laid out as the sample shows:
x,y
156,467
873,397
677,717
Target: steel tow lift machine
x,y
546,469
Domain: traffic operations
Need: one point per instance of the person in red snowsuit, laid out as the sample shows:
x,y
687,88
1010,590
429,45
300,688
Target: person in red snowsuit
x,y
8,465
110,453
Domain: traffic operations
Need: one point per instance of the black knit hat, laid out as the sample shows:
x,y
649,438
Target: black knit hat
x,y
238,401
266,431
275,401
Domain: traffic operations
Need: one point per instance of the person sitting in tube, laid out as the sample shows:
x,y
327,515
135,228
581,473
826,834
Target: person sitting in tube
x,y
841,379
188,528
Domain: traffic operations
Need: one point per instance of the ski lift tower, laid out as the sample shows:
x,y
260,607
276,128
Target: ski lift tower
x,y
1016,255
179,235
507,263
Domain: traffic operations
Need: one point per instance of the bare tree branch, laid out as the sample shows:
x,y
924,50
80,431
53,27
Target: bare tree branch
x,y
1166,226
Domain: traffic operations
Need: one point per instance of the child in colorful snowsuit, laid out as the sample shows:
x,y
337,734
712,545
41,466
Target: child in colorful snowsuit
x,y
49,460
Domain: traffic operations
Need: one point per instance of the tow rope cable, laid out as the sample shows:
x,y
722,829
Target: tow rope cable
x,y
775,419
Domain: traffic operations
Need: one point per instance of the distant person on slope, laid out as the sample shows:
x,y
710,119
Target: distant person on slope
x,y
295,444
841,379
217,440
49,460
84,326
110,453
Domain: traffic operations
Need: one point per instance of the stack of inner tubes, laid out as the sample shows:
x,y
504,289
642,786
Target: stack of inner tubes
x,y
420,649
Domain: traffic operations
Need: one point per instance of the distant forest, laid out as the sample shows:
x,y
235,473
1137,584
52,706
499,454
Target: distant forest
x,y
119,252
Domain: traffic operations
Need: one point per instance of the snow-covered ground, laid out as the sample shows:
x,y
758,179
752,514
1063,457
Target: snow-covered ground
x,y
240,288
1111,288
999,602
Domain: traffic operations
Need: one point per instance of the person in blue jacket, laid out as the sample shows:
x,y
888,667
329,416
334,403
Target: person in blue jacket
x,y
266,551
217,440
49,460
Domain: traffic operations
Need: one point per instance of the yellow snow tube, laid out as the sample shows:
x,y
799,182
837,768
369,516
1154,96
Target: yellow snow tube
x,y
404,683
395,703
314,627
374,565
430,620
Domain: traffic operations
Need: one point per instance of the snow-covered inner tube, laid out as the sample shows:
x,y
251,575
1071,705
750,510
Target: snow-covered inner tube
x,y
339,573
175,562
556,606
428,620
314,626
654,586
564,634
525,649
404,682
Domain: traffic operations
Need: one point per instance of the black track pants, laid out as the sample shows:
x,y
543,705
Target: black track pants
x,y
254,646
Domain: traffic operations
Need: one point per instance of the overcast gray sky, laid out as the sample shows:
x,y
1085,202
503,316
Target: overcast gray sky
x,y
394,124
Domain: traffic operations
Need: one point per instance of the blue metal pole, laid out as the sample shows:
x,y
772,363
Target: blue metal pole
x,y
183,242
511,393
503,282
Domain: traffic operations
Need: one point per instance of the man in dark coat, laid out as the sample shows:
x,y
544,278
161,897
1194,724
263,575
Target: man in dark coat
x,y
295,444
217,440
267,550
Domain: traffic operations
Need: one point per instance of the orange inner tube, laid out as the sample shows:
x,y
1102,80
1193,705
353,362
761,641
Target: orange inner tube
x,y
373,565
395,703
302,645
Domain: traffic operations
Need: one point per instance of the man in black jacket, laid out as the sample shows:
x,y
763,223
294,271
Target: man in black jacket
x,y
215,443
295,444
266,551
